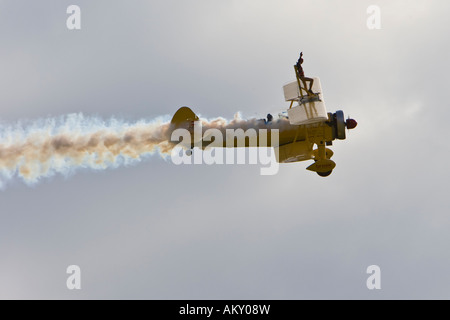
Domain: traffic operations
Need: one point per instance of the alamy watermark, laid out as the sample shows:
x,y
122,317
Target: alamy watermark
x,y
373,22
73,22
221,150
374,18
73,282
374,280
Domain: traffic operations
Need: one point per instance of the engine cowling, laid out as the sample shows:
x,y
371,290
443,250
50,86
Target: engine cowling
x,y
340,124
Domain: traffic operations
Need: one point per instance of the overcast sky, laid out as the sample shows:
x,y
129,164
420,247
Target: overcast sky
x,y
160,231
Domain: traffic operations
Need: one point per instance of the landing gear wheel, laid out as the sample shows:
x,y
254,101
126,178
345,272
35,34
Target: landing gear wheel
x,y
325,174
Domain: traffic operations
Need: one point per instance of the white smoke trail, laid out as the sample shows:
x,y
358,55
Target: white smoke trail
x,y
51,146
46,147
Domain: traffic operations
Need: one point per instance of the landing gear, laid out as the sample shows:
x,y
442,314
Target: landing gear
x,y
322,165
325,174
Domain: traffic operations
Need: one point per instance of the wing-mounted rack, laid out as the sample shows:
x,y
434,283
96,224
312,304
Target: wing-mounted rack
x,y
310,106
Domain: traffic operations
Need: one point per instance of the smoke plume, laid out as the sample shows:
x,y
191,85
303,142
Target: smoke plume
x,y
51,146
47,147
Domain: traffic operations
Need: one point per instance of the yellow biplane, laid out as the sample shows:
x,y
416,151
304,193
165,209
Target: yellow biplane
x,y
305,129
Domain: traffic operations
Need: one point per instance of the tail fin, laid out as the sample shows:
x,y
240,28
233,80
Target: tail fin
x,y
184,118
184,114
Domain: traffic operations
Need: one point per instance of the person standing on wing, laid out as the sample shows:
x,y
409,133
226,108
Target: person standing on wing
x,y
301,74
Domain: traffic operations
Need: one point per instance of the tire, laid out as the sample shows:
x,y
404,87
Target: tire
x,y
325,174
